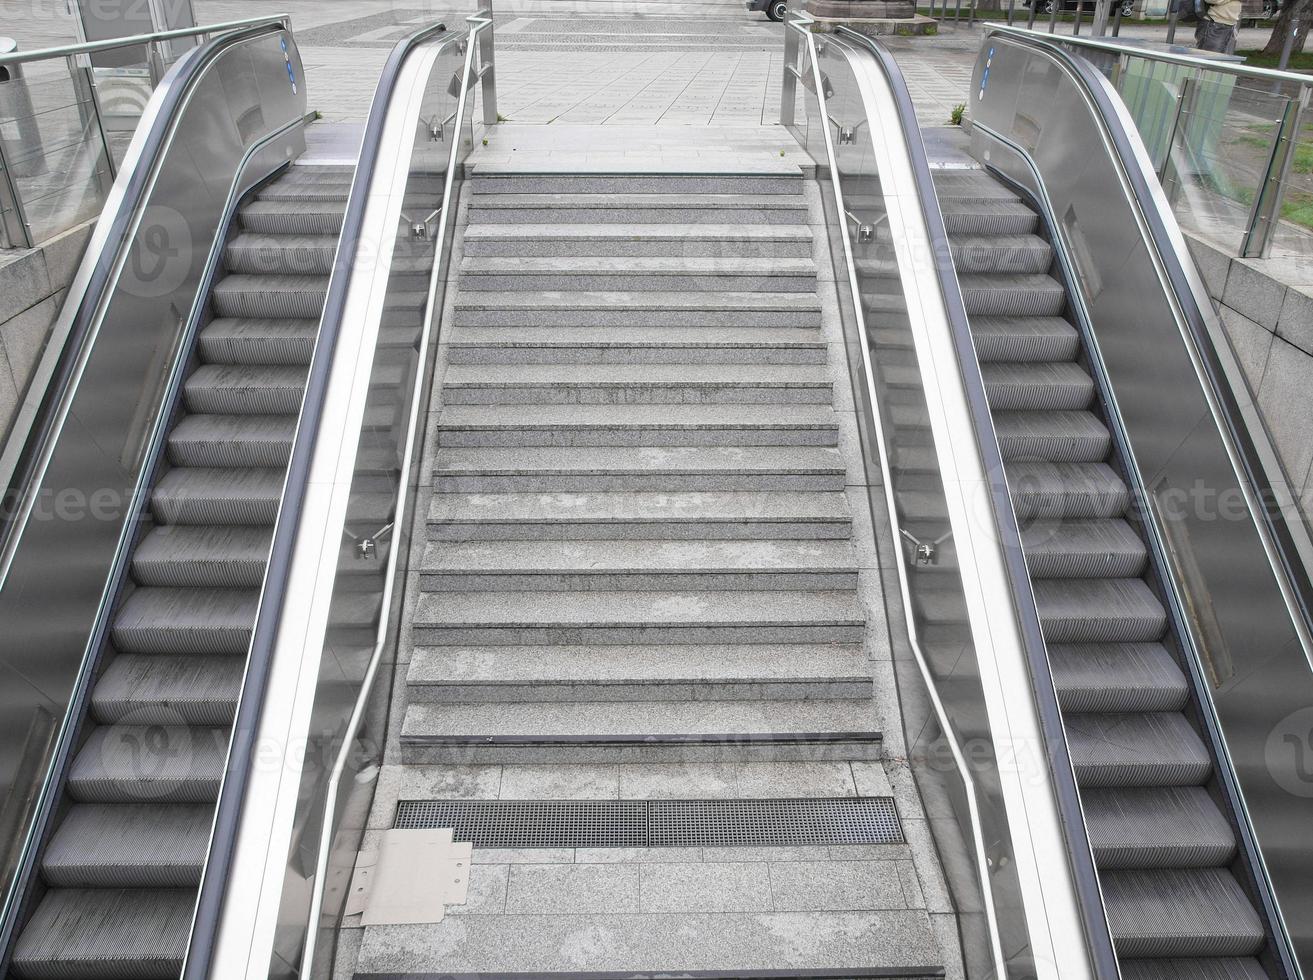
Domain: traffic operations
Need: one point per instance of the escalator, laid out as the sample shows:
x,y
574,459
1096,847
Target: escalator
x,y
121,870
1039,318
1164,848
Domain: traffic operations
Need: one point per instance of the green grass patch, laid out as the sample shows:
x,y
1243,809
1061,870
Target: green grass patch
x,y
1298,62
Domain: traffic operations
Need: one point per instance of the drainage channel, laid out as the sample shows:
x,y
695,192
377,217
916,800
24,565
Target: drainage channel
x,y
658,823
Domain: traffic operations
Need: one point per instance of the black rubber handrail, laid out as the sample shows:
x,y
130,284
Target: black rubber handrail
x,y
1072,815
141,179
232,797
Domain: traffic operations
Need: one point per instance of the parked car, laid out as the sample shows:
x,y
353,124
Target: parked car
x,y
774,8
1128,6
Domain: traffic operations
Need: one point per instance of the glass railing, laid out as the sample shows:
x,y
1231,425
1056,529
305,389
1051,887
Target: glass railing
x,y
1230,144
981,724
345,529
67,116
84,465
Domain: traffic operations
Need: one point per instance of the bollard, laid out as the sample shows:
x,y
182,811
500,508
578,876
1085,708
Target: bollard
x,y
27,158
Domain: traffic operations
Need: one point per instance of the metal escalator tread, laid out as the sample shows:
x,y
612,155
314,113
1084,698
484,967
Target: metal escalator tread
x,y
1162,846
123,863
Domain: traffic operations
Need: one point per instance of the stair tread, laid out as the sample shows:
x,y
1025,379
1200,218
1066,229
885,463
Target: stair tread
x,y
1117,677
636,416
624,608
672,459
640,202
626,337
603,719
656,301
685,506
152,763
645,375
614,557
169,689
620,663
526,231
567,265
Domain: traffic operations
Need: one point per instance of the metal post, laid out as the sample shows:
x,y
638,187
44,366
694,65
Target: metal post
x,y
1117,21
1266,213
1012,11
1166,176
1171,22
1080,8
971,14
487,69
957,11
1053,16
1100,25
1034,11
789,87
14,231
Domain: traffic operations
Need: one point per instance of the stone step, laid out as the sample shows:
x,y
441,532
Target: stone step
x,y
486,182
639,731
759,616
612,347
638,516
605,566
659,384
755,671
661,274
792,468
617,240
635,309
637,425
637,209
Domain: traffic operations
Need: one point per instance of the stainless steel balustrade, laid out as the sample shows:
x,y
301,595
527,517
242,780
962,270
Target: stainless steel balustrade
x,y
330,611
984,735
1219,517
73,125
81,469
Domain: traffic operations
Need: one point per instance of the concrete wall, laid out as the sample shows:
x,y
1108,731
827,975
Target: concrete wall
x,y
32,287
1266,306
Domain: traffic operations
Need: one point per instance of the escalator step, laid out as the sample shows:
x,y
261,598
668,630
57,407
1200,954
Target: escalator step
x,y
1218,968
245,389
1059,437
293,217
1005,254
230,340
1139,749
149,764
153,689
232,440
1024,338
976,217
1158,827
129,846
1197,912
294,297
1083,549
1112,677
106,934
1060,386
281,255
1055,491
1122,610
221,556
157,620
218,496
1012,295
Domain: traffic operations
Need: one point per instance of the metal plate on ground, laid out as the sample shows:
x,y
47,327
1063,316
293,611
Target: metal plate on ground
x,y
659,823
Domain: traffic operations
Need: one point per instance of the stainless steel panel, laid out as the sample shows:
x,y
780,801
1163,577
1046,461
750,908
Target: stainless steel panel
x,y
1247,641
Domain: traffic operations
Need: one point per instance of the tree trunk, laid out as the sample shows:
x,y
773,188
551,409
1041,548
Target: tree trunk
x,y
1293,12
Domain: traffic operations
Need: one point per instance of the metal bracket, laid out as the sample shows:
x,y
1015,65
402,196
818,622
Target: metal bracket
x,y
367,547
925,552
865,232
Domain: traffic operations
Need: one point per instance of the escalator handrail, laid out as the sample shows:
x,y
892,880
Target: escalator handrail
x,y
1103,958
152,134
236,778
1255,477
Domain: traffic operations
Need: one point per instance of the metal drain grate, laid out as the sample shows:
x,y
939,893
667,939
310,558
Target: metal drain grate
x,y
658,823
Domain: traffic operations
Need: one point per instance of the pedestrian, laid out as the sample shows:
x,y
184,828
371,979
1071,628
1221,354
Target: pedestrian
x,y
1219,23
